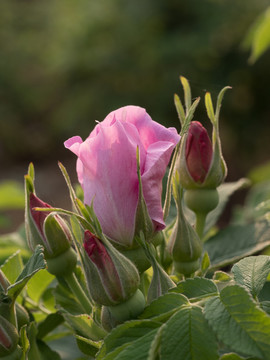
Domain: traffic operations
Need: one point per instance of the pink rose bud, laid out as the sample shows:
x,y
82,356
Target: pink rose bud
x,y
200,163
199,151
53,230
111,277
107,170
8,337
49,230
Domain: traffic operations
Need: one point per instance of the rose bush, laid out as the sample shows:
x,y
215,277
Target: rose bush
x,y
107,169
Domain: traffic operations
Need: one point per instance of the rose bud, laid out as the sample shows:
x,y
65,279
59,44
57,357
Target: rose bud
x,y
112,278
50,230
198,152
107,170
184,244
8,337
200,163
201,169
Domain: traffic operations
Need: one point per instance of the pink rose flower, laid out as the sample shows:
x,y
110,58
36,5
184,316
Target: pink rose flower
x,y
107,169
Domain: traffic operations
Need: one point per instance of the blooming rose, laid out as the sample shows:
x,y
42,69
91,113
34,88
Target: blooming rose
x,y
107,169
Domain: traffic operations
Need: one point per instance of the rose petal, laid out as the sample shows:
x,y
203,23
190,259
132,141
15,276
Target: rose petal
x,y
110,177
157,158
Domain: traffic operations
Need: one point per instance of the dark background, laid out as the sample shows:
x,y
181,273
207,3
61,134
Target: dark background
x,y
65,64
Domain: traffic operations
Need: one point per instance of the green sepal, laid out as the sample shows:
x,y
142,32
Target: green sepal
x,y
143,222
33,235
177,153
161,282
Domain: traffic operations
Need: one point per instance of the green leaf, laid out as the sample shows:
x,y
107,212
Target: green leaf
x,y
48,300
126,333
205,263
66,300
252,273
265,305
35,263
224,191
137,350
85,326
46,352
237,241
239,323
12,242
233,356
260,173
163,305
196,288
187,336
87,346
261,37
13,266
38,284
49,324
221,276
258,194
155,345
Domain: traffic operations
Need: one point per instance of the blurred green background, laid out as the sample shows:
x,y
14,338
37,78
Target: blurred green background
x,y
65,64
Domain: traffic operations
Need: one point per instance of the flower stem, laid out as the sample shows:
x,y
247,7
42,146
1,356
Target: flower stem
x,y
77,290
200,223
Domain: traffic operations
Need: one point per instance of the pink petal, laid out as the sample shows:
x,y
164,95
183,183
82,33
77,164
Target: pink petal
x,y
73,144
110,177
157,158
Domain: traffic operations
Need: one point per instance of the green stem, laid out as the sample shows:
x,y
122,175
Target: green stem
x,y
200,223
37,306
77,290
13,317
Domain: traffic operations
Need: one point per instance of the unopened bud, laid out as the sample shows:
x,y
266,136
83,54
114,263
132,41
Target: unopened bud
x,y
200,164
8,337
184,245
111,277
